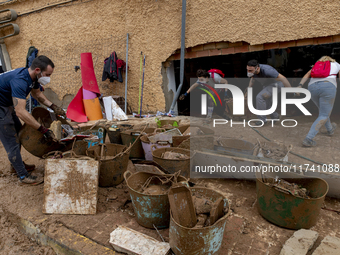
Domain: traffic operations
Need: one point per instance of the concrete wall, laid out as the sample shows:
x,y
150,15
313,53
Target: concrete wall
x,y
155,29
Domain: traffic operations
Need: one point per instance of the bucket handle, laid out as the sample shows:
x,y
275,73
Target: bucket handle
x,y
102,156
162,142
153,147
159,130
126,173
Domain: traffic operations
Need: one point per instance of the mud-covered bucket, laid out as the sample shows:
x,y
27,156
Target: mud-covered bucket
x,y
150,209
114,133
132,136
287,210
196,141
149,146
173,165
199,241
168,123
114,159
33,141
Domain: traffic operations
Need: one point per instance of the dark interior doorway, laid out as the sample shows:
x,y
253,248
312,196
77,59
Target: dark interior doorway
x,y
292,62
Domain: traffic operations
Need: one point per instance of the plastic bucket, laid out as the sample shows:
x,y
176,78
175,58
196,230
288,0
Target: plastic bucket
x,y
114,133
205,140
173,165
130,136
199,241
150,209
148,146
286,210
113,162
168,124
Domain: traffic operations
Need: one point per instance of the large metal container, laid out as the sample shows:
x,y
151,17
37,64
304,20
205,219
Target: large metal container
x,y
113,159
199,241
151,210
33,141
173,165
287,210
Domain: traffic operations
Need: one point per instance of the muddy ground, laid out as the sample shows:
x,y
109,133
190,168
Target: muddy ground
x,y
13,241
26,201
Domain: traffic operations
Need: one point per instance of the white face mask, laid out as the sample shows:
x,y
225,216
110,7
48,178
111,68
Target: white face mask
x,y
43,80
251,74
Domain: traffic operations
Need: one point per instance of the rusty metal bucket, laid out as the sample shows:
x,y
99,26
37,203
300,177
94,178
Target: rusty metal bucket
x,y
173,165
286,210
33,141
199,241
114,159
150,209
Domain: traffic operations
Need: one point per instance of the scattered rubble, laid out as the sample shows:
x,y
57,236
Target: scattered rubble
x,y
276,151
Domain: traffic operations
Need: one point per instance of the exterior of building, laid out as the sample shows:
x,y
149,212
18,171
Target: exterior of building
x,y
64,29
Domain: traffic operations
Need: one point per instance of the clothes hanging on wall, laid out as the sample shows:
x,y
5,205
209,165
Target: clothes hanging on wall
x,y
113,68
110,68
31,55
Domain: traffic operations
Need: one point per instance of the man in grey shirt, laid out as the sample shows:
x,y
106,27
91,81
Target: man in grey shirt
x,y
269,78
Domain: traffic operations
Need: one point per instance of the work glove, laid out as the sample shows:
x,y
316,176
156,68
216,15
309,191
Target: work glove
x,y
181,97
48,134
58,110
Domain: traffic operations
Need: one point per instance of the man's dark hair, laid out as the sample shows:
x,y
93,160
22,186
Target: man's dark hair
x,y
41,62
253,62
202,73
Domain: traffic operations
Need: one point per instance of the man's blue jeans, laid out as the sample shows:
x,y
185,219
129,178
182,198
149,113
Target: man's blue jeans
x,y
10,126
323,95
264,100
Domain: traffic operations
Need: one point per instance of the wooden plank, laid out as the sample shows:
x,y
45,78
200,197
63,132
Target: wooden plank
x,y
129,241
71,186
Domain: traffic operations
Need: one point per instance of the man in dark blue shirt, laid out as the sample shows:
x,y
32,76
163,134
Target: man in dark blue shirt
x,y
269,78
15,85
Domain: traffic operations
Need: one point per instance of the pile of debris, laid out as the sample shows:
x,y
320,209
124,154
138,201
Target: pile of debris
x,y
287,187
174,155
276,151
208,212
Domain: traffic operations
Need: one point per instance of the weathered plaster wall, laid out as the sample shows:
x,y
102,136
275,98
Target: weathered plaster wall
x,y
155,28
